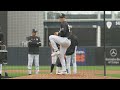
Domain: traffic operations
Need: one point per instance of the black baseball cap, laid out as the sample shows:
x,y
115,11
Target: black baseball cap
x,y
34,31
62,15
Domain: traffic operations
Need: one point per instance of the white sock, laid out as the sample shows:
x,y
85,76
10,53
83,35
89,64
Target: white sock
x,y
37,72
59,69
29,72
56,70
69,69
1,69
74,68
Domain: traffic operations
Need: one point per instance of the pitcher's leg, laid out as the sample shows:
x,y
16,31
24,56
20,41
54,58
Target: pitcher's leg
x,y
62,54
53,40
58,69
62,59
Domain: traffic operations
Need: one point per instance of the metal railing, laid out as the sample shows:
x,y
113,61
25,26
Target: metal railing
x,y
3,48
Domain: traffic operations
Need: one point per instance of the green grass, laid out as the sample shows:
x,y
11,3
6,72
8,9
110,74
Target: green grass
x,y
110,75
25,67
98,67
90,67
79,67
17,74
48,68
22,74
114,75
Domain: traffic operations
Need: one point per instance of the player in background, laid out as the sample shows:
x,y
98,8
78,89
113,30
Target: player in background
x,y
71,54
63,40
33,51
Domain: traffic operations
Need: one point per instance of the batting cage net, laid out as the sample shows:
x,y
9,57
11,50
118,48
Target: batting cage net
x,y
31,46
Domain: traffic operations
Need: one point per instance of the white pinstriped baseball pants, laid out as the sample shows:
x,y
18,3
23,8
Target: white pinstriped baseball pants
x,y
72,58
32,57
64,44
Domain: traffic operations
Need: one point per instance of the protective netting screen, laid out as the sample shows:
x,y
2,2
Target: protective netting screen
x,y
27,56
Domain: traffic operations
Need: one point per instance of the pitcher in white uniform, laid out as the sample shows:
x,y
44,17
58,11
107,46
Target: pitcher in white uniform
x,y
63,40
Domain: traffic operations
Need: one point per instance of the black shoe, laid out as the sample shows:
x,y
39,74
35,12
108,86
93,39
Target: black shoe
x,y
1,76
29,74
6,74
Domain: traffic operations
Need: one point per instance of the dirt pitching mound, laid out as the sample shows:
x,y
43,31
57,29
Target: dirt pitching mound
x,y
86,74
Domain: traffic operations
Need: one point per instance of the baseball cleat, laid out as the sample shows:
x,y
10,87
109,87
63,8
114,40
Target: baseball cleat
x,y
57,73
55,53
51,73
74,73
37,72
29,72
69,73
62,73
1,76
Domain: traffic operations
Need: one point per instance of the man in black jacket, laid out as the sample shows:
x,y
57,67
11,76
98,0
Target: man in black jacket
x,y
33,51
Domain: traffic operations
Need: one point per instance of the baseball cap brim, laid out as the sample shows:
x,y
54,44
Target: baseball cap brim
x,y
34,31
62,15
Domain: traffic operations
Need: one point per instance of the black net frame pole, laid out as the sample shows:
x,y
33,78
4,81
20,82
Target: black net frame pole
x,y
104,45
47,40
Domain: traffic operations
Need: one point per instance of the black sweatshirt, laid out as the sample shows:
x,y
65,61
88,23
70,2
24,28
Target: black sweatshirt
x,y
74,42
1,37
33,44
64,29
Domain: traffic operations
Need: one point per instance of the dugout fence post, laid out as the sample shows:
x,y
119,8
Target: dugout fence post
x,y
104,44
46,36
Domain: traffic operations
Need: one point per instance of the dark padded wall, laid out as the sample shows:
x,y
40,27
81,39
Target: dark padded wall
x,y
19,56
